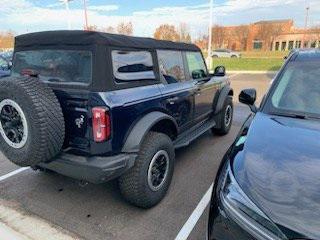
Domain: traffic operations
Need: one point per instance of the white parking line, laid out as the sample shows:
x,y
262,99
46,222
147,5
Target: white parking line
x,y
195,216
13,173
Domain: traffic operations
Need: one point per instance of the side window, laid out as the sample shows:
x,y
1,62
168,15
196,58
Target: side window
x,y
196,65
132,65
171,66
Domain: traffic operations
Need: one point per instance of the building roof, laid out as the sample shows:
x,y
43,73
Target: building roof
x,y
275,21
96,38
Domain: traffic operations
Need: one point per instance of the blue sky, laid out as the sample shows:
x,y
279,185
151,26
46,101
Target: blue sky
x,y
23,16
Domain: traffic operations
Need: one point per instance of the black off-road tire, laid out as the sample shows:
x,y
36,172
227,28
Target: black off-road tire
x,y
44,117
224,128
134,184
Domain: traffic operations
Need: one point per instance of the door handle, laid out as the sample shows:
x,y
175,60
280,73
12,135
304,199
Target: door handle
x,y
197,92
173,100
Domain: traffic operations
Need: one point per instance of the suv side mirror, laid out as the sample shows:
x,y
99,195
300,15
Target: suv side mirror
x,y
248,97
219,71
10,64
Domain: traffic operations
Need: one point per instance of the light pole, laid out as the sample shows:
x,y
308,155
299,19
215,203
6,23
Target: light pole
x,y
306,26
66,2
209,58
85,15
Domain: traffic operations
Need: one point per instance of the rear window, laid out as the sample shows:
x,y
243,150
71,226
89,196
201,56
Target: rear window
x,y
132,65
55,65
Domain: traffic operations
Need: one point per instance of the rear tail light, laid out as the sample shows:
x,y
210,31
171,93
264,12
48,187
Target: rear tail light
x,y
101,124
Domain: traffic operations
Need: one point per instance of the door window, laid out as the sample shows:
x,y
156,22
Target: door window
x,y
171,66
196,65
132,65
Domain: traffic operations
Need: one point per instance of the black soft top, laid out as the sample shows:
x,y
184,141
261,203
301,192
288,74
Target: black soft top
x,y
51,38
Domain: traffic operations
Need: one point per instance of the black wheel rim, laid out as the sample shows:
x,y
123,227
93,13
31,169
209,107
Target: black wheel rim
x,y
13,124
228,115
158,170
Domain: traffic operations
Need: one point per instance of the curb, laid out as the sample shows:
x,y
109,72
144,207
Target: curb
x,y
8,233
18,225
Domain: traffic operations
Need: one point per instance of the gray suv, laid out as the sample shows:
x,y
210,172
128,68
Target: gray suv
x,y
226,53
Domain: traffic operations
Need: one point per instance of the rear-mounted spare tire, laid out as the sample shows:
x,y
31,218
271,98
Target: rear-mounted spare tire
x,y
32,127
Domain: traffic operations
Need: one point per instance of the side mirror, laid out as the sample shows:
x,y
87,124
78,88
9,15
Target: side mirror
x,y
10,64
248,97
220,71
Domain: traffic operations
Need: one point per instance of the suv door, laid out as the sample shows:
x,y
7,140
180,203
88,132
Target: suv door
x,y
205,86
178,94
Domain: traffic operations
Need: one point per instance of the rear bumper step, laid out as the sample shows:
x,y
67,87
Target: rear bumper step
x,y
91,169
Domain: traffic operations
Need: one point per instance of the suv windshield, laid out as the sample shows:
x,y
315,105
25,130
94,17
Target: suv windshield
x,y
297,91
55,65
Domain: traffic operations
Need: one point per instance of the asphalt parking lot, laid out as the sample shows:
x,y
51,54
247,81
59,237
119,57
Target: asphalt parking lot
x,y
98,211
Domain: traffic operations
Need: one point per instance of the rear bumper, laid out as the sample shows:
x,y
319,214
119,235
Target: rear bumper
x,y
91,169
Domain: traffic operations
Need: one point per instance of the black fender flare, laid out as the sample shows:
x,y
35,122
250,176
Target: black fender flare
x,y
142,127
223,94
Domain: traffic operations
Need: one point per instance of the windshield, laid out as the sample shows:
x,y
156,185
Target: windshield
x,y
55,65
297,90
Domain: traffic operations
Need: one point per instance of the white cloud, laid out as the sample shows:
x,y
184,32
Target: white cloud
x,y
104,8
22,15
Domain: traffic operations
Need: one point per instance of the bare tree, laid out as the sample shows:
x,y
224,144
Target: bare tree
x,y
166,32
108,29
202,42
6,39
241,34
125,28
219,35
92,28
184,34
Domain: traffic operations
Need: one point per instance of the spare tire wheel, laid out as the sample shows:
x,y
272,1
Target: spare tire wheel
x,y
32,126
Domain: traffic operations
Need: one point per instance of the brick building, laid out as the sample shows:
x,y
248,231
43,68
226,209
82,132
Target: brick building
x,y
276,35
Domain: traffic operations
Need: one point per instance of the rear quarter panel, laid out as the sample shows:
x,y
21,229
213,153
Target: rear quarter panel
x,y
127,107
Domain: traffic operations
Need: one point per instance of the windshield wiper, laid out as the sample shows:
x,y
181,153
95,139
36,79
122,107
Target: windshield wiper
x,y
291,115
294,115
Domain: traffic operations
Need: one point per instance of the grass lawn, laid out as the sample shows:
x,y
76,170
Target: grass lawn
x,y
262,54
249,64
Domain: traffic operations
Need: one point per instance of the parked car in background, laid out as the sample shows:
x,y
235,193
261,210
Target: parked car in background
x,y
225,53
5,67
7,55
267,186
96,106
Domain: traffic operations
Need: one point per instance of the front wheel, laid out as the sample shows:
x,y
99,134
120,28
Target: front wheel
x,y
224,118
147,183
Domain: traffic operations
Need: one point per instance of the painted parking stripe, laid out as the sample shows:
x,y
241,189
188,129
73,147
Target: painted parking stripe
x,y
4,177
195,216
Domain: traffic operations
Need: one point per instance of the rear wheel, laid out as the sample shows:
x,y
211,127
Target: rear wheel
x,y
146,184
224,118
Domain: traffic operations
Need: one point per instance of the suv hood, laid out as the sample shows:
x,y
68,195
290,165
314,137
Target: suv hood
x,y
279,170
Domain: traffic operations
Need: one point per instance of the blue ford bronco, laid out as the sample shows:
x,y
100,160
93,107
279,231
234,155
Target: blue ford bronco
x,y
96,106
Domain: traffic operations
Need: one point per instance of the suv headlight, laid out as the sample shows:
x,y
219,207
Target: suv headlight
x,y
243,211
